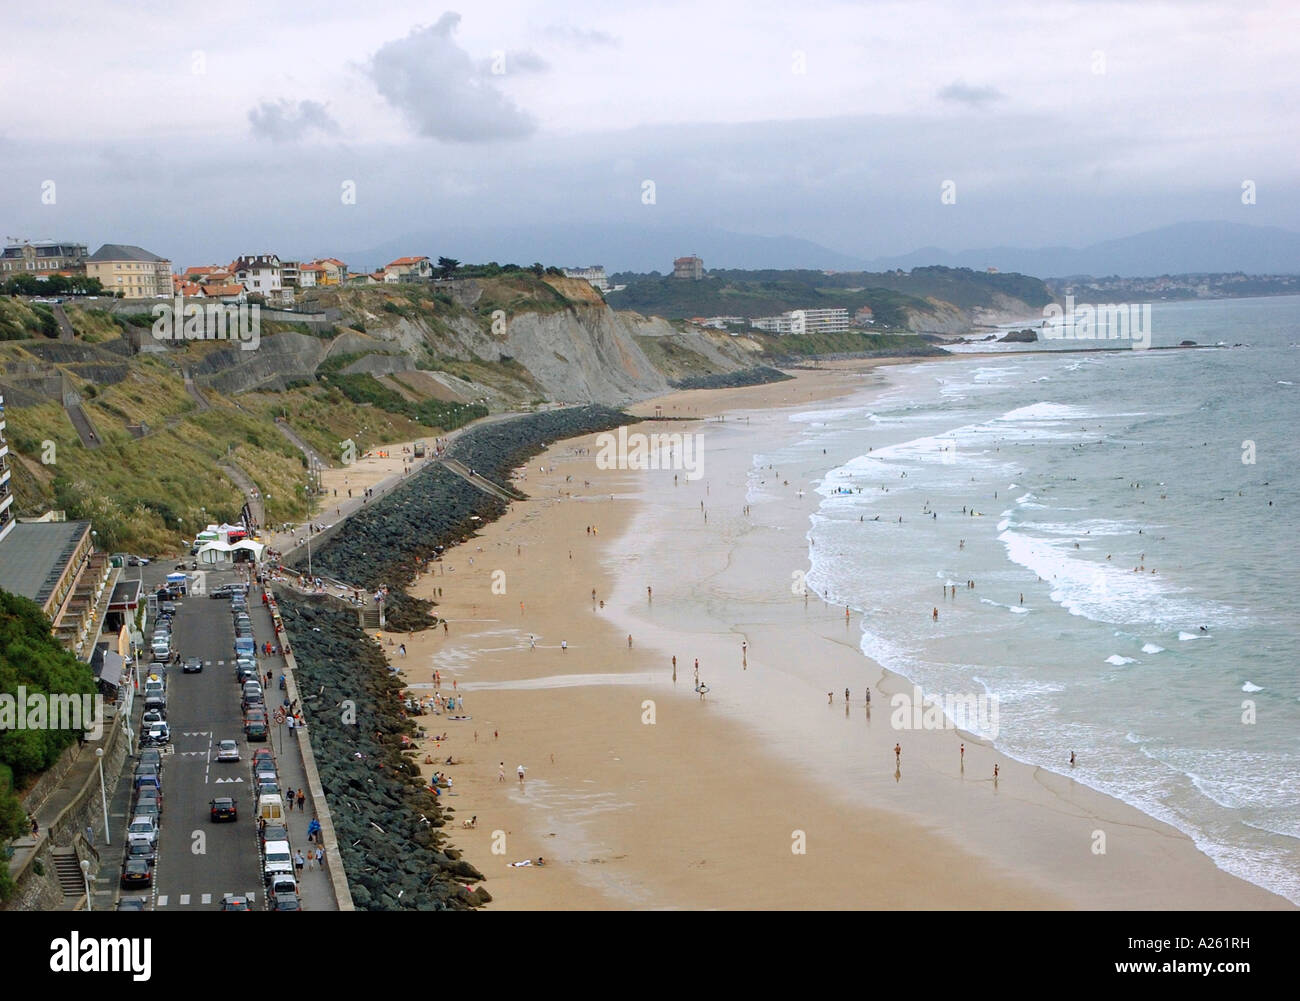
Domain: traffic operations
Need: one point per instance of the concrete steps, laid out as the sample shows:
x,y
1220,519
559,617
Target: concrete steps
x,y
67,867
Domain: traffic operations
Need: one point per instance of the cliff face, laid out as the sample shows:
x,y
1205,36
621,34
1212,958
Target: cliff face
x,y
556,340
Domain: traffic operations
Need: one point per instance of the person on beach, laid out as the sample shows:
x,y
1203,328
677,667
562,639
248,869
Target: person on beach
x,y
501,772
846,696
520,770
963,755
564,646
402,649
935,614
649,593
1071,759
532,642
629,641
898,754
995,773
830,698
868,696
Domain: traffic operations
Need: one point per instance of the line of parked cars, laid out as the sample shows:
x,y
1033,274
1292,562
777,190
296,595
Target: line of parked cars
x,y
142,832
277,858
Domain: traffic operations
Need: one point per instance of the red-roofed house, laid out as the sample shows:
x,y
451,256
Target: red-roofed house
x,y
335,271
408,269
224,293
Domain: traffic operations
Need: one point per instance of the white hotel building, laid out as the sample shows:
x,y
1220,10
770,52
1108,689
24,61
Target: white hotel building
x,y
804,321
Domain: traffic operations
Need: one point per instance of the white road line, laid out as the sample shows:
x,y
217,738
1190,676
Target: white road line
x,y
185,899
206,898
162,901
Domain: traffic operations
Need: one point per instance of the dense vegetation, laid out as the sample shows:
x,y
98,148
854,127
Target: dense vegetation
x,y
892,295
32,658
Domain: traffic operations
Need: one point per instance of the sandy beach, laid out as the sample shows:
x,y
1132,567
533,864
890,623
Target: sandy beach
x,y
763,794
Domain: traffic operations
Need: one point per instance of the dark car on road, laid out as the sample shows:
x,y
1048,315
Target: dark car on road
x,y
255,724
274,832
286,902
235,903
131,904
136,872
223,808
192,665
141,850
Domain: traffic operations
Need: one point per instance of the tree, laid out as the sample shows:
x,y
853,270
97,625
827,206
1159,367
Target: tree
x,y
447,266
537,269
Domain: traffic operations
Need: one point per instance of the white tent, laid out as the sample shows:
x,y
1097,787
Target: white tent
x,y
215,553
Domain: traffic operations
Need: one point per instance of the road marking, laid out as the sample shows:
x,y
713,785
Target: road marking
x,y
206,898
219,781
162,901
185,899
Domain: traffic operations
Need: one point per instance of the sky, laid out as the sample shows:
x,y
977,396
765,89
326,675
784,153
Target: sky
x,y
203,132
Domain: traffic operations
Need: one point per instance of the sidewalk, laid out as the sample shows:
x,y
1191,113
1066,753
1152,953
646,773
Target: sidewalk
x,y
314,885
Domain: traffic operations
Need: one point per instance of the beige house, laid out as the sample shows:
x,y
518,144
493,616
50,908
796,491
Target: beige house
x,y
133,272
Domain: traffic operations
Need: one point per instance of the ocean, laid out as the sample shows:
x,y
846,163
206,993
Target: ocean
x,y
1128,521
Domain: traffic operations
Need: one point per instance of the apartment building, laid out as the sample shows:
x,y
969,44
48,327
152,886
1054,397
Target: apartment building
x,y
44,257
594,275
804,321
6,495
132,272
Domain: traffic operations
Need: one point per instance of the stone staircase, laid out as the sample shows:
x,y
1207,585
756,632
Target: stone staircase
x,y
68,869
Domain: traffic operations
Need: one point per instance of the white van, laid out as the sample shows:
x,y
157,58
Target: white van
x,y
271,809
279,861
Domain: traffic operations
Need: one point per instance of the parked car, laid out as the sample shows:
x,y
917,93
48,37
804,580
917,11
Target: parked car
x,y
255,725
142,850
192,665
266,787
151,756
158,735
223,808
169,607
245,646
285,902
143,829
137,561
147,774
245,670
148,808
148,794
131,904
136,873
155,704
263,754
274,832
228,750
230,902
151,717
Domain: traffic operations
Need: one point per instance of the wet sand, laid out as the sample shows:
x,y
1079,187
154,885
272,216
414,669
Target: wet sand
x,y
761,795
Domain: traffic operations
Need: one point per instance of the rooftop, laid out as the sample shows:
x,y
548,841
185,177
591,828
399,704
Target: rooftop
x,y
34,555
123,252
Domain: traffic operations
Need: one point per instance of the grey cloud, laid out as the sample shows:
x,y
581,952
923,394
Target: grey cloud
x,y
440,91
284,121
581,38
973,97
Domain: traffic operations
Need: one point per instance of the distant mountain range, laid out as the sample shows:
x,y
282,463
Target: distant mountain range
x,y
1183,248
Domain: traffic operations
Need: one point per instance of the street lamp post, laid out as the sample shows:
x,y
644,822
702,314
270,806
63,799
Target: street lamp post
x,y
85,876
103,794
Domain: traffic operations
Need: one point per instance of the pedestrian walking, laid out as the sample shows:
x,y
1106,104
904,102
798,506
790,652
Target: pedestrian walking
x,y
299,862
520,770
501,772
320,857
292,731
302,799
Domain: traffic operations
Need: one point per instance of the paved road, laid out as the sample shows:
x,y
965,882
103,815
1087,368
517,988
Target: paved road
x,y
199,861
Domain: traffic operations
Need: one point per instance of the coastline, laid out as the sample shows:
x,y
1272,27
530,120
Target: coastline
x,y
617,802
